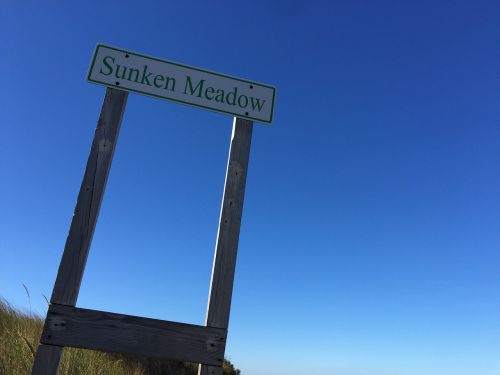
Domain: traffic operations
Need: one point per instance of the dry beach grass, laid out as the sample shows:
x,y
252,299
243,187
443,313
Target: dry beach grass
x,y
19,335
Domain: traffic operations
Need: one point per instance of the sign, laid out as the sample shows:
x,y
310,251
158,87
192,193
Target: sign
x,y
130,71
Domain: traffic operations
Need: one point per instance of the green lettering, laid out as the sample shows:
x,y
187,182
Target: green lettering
x,y
233,93
170,79
220,96
209,90
239,101
257,103
136,71
198,87
107,65
117,72
145,76
159,78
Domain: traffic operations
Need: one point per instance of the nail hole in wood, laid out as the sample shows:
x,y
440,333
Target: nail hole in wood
x,y
126,55
117,83
246,113
251,86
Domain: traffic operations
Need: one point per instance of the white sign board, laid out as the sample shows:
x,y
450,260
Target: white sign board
x,y
130,71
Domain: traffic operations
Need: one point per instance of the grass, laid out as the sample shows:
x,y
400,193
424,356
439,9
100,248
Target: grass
x,y
20,333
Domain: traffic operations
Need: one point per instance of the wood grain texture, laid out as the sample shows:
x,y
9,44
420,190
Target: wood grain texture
x,y
98,330
226,249
47,360
77,246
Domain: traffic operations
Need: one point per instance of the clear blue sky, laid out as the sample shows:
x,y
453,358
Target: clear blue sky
x,y
370,237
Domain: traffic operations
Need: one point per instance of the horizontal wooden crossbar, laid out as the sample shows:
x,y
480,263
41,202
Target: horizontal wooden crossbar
x,y
98,330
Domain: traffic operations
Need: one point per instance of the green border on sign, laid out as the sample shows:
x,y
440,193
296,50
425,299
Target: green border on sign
x,y
183,66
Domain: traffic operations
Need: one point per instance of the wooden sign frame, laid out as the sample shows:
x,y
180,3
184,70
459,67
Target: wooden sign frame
x,y
67,325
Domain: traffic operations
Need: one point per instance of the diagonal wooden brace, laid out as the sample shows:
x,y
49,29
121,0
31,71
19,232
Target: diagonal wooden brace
x,y
77,246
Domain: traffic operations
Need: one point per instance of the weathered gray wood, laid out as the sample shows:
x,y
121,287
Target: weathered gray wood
x,y
77,246
226,249
98,330
47,360
69,326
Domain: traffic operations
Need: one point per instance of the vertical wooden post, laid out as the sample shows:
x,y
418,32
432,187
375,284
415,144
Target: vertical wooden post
x,y
221,288
77,246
